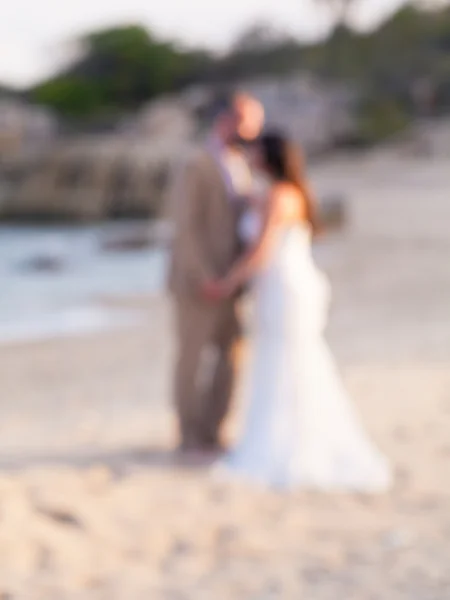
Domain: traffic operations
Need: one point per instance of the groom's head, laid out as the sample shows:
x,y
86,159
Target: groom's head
x,y
237,117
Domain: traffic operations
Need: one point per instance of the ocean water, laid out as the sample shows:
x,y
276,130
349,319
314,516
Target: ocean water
x,y
39,304
36,304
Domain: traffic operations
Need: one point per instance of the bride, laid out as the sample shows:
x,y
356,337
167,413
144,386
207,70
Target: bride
x,y
300,430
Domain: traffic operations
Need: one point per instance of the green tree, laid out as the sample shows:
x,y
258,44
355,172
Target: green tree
x,y
119,69
69,95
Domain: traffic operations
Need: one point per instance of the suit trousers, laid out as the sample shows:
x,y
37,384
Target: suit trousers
x,y
202,404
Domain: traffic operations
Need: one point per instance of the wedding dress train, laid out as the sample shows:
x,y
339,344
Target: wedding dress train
x,y
301,430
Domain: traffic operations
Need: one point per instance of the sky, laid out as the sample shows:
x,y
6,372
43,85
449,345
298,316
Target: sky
x,y
36,35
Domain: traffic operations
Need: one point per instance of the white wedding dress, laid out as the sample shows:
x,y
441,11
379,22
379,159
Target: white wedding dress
x,y
301,430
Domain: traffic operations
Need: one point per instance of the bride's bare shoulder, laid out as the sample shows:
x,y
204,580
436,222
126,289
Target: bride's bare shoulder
x,y
284,189
288,201
285,193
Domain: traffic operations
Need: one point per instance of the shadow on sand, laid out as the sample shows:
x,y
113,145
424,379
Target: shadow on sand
x,y
119,461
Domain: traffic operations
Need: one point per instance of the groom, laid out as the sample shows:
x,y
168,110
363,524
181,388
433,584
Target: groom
x,y
209,192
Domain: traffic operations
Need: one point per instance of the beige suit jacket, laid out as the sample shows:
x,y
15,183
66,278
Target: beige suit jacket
x,y
205,221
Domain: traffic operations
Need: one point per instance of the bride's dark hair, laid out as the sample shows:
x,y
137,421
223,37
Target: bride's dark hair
x,y
283,161
282,158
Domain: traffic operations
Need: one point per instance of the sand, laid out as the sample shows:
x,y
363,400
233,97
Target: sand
x,y
94,506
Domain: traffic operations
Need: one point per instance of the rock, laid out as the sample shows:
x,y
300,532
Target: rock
x,y
332,212
60,516
126,242
137,238
91,178
181,548
44,263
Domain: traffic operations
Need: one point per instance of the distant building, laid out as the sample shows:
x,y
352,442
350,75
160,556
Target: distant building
x,y
24,129
128,172
169,118
314,113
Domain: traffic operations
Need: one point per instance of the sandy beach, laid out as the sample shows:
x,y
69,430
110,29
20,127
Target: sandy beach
x,y
93,506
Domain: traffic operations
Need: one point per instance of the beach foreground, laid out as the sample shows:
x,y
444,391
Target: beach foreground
x,y
94,506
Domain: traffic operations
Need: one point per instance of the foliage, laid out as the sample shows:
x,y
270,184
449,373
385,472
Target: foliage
x,y
122,67
119,69
380,118
72,96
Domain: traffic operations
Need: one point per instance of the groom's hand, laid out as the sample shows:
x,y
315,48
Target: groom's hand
x,y
211,291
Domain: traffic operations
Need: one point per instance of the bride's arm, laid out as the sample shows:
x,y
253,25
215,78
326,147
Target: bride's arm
x,y
311,209
257,255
